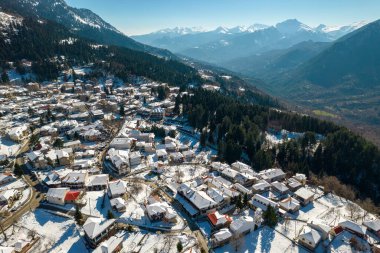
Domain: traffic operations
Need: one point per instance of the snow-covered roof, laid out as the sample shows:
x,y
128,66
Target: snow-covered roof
x,y
95,226
242,224
353,226
372,224
279,186
289,203
311,235
117,187
304,193
223,234
101,179
57,192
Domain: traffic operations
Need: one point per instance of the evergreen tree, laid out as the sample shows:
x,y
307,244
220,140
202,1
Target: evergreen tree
x,y
179,246
122,110
18,170
4,77
270,216
203,138
78,215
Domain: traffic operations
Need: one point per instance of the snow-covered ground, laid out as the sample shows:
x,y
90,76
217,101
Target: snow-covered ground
x,y
94,201
58,234
18,184
149,243
263,239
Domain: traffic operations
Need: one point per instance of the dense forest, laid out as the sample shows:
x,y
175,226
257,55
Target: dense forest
x,y
45,42
236,128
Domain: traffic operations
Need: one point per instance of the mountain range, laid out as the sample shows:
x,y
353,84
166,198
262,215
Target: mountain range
x,y
223,44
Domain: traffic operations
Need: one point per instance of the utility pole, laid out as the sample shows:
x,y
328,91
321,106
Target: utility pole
x,y
89,204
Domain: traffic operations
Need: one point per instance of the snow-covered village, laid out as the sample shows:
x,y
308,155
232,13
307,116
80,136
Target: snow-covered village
x,y
106,166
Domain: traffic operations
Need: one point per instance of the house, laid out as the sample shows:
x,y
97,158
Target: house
x,y
57,195
111,245
75,180
300,178
304,195
176,157
279,187
118,204
8,196
97,230
188,155
243,225
323,229
199,199
310,238
117,189
52,180
261,186
218,220
294,184
289,205
92,135
6,178
121,143
161,211
239,166
221,237
353,227
119,160
241,189
18,133
373,226
162,155
259,201
72,196
75,145
271,175
245,178
157,113
97,182
135,158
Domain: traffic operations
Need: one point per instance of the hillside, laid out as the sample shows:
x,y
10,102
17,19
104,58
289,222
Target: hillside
x,y
45,42
81,22
273,62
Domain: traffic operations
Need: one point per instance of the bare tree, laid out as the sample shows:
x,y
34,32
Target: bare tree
x,y
237,242
32,233
354,210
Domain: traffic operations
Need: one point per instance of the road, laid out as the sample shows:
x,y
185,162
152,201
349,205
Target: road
x,y
32,203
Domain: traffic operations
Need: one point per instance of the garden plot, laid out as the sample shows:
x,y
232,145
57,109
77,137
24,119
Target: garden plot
x,y
149,243
58,234
94,204
263,239
183,173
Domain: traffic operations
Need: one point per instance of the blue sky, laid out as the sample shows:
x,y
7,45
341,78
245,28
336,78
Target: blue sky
x,y
144,16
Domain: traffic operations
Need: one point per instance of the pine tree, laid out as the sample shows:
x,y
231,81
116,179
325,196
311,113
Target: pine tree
x,y
179,246
4,77
270,216
78,216
122,110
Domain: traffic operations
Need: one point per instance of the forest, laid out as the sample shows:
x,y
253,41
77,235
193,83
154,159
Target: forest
x,y
237,128
44,43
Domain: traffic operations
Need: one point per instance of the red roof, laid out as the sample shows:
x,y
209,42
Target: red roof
x,y
214,219
338,230
72,195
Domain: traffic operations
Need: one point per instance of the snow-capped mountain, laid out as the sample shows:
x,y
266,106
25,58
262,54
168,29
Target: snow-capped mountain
x,y
338,31
82,22
226,43
177,31
292,26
